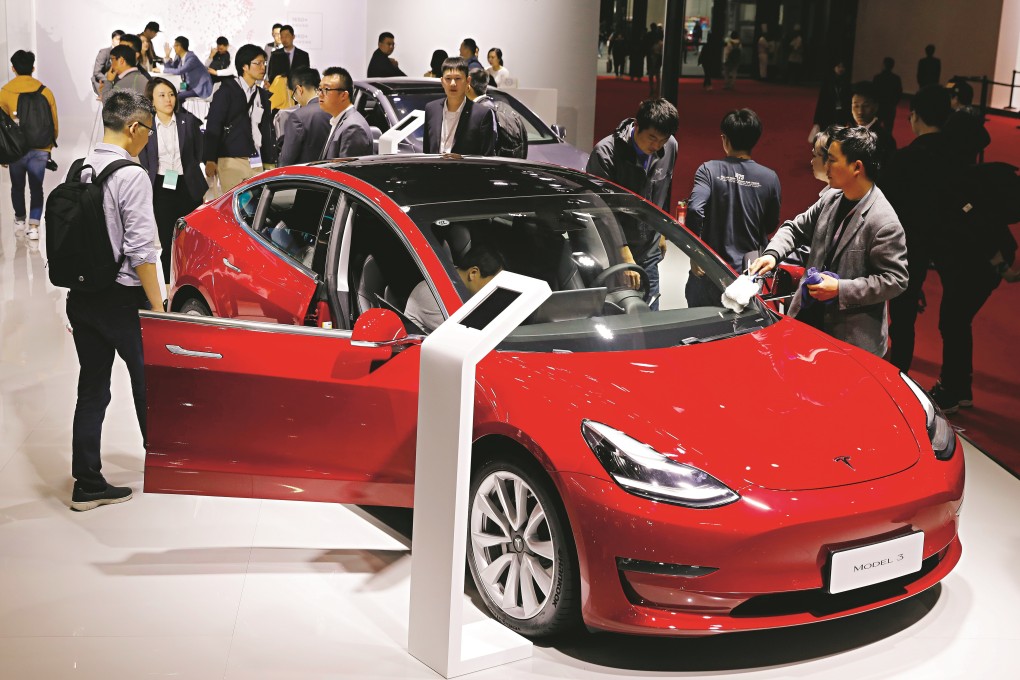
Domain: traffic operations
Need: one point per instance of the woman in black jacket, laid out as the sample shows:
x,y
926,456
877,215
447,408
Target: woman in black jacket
x,y
173,158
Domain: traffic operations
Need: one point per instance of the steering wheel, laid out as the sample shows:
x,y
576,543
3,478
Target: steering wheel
x,y
644,288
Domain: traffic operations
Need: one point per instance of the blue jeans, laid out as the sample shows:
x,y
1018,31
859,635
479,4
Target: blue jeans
x,y
651,267
32,164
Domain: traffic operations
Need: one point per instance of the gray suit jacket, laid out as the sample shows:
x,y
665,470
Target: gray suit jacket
x,y
100,67
870,258
304,134
350,137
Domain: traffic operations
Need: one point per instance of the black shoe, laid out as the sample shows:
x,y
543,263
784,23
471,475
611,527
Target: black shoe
x,y
86,500
949,401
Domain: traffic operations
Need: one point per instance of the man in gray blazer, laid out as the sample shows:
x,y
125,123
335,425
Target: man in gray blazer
x,y
854,233
350,134
102,63
307,127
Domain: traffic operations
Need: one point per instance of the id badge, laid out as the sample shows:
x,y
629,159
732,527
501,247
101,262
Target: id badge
x,y
256,161
170,179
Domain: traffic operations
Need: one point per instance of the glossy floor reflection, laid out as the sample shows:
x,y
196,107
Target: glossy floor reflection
x,y
225,588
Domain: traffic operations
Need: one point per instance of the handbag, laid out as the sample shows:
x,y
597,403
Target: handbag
x,y
13,146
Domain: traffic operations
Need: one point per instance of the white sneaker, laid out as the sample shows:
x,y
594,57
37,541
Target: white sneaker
x,y
19,225
33,232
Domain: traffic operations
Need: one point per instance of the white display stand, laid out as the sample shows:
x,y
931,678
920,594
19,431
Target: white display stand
x,y
437,635
389,141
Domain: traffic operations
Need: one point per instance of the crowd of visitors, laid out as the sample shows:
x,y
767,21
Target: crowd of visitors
x,y
887,215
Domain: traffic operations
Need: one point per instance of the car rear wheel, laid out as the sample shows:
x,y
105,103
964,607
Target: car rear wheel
x,y
195,307
520,550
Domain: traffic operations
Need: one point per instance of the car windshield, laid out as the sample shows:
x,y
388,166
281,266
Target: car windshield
x,y
406,102
578,243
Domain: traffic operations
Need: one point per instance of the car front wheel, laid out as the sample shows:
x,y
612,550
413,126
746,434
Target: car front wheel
x,y
195,307
521,553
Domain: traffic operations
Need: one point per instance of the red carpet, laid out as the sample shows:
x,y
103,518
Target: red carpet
x,y
994,422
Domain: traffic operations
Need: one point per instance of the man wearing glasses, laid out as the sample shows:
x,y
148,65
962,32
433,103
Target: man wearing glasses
x,y
454,124
239,130
124,72
105,322
349,134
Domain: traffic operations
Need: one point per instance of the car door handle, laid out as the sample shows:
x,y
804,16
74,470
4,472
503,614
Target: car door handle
x,y
180,351
231,266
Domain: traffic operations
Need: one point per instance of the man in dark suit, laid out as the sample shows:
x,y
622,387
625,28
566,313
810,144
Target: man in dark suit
x,y
307,128
349,133
454,124
854,233
929,69
239,130
382,64
889,89
864,109
288,58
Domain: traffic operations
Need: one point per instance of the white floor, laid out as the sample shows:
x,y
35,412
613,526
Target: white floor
x,y
175,586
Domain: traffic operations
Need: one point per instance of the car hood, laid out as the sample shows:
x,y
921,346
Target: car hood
x,y
561,153
778,408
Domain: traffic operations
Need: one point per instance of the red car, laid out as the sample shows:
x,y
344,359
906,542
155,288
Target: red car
x,y
680,471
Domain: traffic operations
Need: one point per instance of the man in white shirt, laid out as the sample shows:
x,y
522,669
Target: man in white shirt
x,y
476,268
350,134
454,124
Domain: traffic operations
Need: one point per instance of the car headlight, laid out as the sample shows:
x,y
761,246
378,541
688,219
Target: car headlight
x,y
643,471
940,432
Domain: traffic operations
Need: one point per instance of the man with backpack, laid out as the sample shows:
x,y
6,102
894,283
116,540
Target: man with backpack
x,y
32,105
511,135
108,258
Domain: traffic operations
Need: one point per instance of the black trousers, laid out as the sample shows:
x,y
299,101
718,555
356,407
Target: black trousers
x,y
966,288
103,324
169,205
903,311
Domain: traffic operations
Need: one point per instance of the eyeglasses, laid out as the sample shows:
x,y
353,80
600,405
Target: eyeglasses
x,y
258,64
146,127
320,90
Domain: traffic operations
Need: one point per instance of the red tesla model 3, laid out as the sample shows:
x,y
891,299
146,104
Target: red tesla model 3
x,y
660,466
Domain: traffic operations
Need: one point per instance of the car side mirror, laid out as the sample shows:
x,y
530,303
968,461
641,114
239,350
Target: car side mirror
x,y
380,332
560,131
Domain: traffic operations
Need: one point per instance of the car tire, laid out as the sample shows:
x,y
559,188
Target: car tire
x,y
531,551
195,307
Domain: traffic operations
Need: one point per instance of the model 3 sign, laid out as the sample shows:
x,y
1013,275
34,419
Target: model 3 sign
x,y
875,563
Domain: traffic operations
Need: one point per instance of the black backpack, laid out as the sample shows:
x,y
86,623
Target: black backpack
x,y
12,140
511,135
36,119
79,253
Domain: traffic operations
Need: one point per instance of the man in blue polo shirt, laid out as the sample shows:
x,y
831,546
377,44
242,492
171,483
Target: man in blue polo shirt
x,y
640,156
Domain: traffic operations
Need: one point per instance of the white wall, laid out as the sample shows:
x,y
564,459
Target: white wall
x,y
545,43
966,36
1008,55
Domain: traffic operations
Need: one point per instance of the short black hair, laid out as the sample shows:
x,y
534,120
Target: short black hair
x,y
929,50
133,40
658,114
742,127
125,52
150,90
288,28
305,77
246,55
962,90
346,82
384,35
222,40
276,26
866,89
23,62
932,104
888,63
125,107
478,80
470,42
499,54
858,144
484,256
455,64
183,42
152,26
117,33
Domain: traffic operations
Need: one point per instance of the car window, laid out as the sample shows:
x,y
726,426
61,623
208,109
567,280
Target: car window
x,y
369,107
246,203
381,271
538,131
291,220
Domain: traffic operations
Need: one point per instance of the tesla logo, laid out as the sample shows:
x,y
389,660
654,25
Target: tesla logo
x,y
845,459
